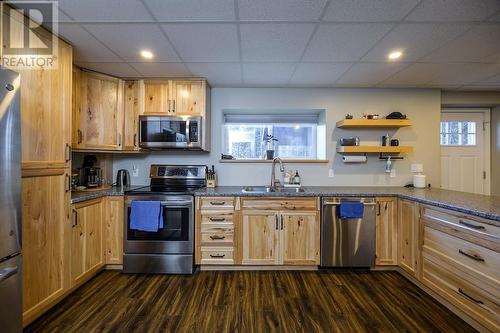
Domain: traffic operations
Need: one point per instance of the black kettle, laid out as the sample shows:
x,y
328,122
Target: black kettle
x,y
123,178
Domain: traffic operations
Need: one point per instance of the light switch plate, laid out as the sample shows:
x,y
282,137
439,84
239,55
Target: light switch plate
x,y
135,171
331,173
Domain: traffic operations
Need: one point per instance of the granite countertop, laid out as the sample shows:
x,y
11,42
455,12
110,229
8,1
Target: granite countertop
x,y
475,204
77,197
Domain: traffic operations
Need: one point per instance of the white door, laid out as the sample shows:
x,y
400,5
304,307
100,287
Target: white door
x,y
465,151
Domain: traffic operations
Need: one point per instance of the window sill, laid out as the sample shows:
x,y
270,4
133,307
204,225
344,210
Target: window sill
x,y
269,161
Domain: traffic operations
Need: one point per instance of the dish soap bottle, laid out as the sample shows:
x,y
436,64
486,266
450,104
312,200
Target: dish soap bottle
x,y
296,179
388,165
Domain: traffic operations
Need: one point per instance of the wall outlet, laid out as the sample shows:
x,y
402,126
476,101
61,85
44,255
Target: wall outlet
x,y
393,173
331,173
135,171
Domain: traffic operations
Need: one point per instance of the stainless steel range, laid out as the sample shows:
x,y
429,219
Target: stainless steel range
x,y
171,248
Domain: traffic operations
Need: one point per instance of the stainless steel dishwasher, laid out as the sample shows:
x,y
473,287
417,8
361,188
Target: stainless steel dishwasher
x,y
347,242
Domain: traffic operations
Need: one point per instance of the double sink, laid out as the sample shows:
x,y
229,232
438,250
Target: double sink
x,y
268,189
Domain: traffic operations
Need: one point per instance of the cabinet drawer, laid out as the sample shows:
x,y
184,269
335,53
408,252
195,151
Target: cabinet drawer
x,y
217,203
213,235
280,204
217,255
473,229
466,256
217,217
479,304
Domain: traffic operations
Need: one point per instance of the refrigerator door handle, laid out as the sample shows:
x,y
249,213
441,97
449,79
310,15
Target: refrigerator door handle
x,y
7,272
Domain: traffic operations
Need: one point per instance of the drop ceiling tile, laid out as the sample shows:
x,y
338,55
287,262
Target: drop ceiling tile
x,y
369,74
204,42
415,40
274,41
344,41
191,10
161,69
368,10
118,69
109,10
463,74
288,10
418,74
318,74
454,10
260,74
475,45
85,46
217,74
128,39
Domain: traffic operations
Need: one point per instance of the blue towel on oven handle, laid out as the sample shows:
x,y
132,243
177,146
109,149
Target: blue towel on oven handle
x,y
351,210
146,216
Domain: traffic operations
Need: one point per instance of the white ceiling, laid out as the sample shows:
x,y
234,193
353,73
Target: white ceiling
x,y
450,44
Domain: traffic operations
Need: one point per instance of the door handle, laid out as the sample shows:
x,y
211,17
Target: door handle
x,y
119,139
135,140
214,237
80,136
68,152
461,291
7,272
276,223
471,256
75,218
281,218
378,208
215,219
470,225
68,183
217,255
217,203
173,105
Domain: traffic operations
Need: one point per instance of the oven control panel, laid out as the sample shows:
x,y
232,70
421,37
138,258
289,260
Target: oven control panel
x,y
177,171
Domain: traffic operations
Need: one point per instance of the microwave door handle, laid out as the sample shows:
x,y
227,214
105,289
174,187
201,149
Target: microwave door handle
x,y
188,137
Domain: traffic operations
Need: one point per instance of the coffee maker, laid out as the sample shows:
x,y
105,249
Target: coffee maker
x,y
90,176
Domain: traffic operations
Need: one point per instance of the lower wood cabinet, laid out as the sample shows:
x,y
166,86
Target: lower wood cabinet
x,y
300,238
260,245
114,224
87,240
409,249
386,251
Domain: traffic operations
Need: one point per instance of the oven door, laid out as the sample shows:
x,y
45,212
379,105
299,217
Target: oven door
x,y
169,132
177,234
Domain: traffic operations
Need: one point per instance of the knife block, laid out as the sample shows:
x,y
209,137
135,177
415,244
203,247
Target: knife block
x,y
211,181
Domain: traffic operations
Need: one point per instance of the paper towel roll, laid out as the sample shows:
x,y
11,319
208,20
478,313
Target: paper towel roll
x,y
354,159
419,181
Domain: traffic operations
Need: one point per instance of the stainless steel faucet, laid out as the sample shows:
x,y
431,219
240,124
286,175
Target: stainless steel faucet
x,y
273,174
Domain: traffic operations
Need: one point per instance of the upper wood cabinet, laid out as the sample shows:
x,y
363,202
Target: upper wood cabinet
x,y
386,231
99,113
131,115
174,97
87,241
409,249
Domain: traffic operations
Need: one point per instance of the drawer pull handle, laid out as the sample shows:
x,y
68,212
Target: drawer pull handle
x,y
470,297
470,225
217,203
217,255
214,237
216,219
472,256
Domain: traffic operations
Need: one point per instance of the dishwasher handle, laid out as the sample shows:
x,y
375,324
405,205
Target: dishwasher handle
x,y
336,202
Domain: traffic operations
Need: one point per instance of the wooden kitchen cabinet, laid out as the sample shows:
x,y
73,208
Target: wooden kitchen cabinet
x,y
300,238
99,115
409,249
87,241
174,97
386,250
260,244
114,222
131,115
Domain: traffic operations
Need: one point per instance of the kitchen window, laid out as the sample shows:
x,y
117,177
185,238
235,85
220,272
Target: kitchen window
x,y
292,136
458,133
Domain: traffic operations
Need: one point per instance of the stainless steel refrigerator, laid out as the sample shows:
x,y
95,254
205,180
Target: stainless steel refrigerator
x,y
10,204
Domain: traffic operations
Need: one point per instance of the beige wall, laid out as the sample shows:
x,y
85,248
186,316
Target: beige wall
x,y
495,151
470,98
422,106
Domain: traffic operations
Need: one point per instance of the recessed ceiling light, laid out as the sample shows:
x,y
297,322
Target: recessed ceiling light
x,y
147,54
395,55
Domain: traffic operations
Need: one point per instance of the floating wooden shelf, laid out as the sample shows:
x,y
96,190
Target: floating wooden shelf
x,y
373,123
374,149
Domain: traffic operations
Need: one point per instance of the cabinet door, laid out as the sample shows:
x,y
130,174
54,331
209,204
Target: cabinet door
x,y
408,227
131,115
94,240
386,231
188,98
114,230
300,238
157,97
101,112
45,239
260,238
77,244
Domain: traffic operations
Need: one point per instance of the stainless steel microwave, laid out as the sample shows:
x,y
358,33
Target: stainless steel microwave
x,y
167,132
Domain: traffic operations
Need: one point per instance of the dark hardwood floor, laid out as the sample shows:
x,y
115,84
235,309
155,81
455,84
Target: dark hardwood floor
x,y
250,302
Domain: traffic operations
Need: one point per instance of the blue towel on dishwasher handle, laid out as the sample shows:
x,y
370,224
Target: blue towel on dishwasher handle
x,y
351,210
146,216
